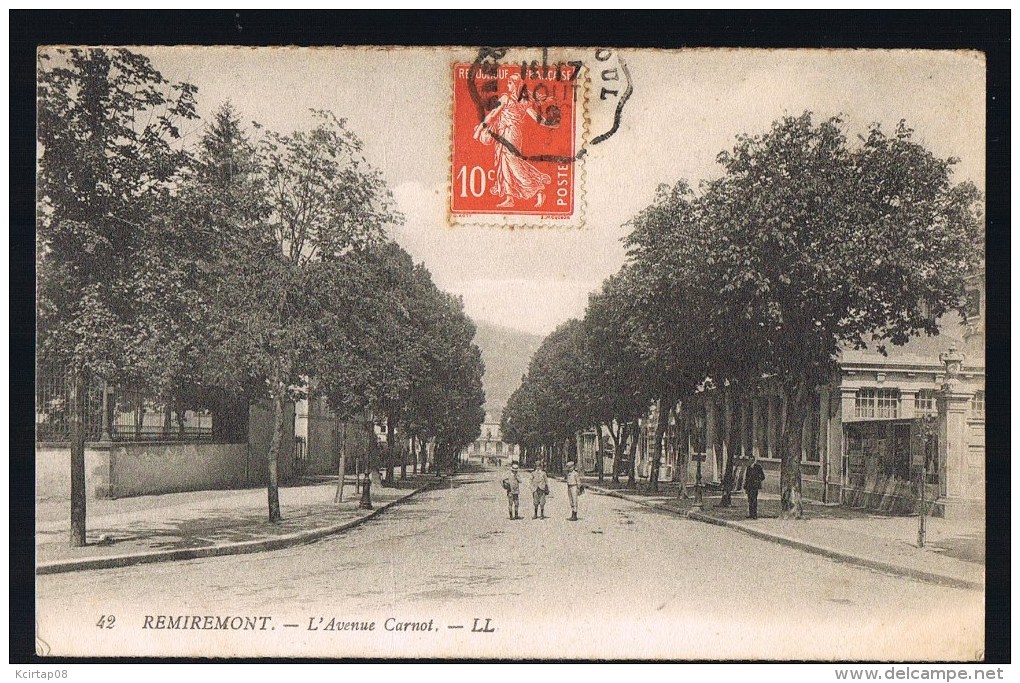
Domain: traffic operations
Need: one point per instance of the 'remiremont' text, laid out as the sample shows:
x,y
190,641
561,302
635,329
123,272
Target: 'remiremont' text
x,y
206,622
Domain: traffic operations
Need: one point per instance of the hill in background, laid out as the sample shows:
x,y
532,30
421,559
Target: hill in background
x,y
506,353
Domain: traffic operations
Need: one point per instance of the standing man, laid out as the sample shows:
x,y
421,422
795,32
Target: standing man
x,y
753,479
512,486
574,489
539,490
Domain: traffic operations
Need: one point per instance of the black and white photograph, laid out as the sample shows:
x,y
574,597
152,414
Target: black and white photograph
x,y
510,353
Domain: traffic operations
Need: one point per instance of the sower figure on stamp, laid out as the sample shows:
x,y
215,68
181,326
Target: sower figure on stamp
x,y
512,486
753,479
515,177
574,489
539,490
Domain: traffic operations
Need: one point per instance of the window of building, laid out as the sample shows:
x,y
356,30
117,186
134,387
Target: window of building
x,y
499,448
877,403
973,306
924,402
977,404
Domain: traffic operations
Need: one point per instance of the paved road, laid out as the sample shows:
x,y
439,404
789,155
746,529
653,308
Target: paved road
x,y
623,582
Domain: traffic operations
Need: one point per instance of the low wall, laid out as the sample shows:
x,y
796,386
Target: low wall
x,y
120,469
138,469
53,472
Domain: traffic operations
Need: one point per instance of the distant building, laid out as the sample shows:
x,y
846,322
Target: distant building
x,y
490,445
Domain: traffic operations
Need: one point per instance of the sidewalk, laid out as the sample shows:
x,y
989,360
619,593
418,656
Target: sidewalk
x,y
178,526
954,552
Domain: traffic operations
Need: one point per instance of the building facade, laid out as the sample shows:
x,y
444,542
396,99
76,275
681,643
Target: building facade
x,y
489,447
881,424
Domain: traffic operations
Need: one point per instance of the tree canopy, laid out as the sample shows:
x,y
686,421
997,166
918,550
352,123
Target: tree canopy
x,y
251,263
807,244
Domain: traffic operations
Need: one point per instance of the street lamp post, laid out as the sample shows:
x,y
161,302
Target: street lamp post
x,y
366,494
698,495
928,424
699,457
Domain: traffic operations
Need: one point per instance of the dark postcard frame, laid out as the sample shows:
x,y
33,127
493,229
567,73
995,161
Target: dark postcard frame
x,y
986,31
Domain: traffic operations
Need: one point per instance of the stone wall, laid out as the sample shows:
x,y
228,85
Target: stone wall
x,y
139,468
120,469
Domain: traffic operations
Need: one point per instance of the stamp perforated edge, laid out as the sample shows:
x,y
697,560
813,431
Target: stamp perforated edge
x,y
519,221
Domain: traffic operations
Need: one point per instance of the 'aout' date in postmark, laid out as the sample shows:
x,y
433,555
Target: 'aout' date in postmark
x,y
519,134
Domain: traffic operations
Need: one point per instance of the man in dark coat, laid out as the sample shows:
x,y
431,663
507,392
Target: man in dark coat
x,y
753,479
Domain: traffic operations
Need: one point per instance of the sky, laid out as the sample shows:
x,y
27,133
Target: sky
x,y
687,106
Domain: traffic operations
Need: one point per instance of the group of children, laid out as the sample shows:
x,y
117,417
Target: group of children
x,y
539,486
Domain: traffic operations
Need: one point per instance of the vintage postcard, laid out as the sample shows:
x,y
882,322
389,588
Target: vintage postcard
x,y
510,353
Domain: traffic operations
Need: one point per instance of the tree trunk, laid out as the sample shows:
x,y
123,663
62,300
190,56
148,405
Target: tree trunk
x,y
343,464
403,461
273,488
599,463
632,470
673,430
391,444
168,420
77,428
683,450
139,419
619,445
414,454
661,422
792,441
424,455
727,434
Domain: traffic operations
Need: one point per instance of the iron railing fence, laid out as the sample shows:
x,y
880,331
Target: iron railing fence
x,y
53,408
129,415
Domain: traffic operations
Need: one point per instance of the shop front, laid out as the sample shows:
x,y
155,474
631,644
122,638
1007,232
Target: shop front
x,y
884,462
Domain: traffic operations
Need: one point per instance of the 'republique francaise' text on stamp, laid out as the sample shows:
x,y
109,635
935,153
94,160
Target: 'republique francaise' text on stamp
x,y
516,137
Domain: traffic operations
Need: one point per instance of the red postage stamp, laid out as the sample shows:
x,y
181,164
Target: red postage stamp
x,y
515,144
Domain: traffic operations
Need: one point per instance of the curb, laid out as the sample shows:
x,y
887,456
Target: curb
x,y
888,567
879,565
240,548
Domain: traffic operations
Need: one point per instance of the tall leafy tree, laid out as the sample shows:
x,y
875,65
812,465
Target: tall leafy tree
x,y
321,201
393,343
668,285
446,401
617,392
553,402
383,344
826,245
109,153
212,226
518,423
